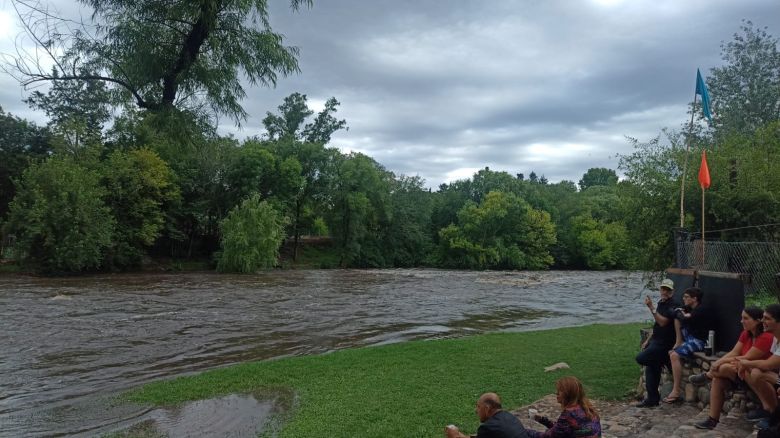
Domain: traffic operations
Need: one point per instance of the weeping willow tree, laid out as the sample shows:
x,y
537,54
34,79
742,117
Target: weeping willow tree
x,y
251,235
188,54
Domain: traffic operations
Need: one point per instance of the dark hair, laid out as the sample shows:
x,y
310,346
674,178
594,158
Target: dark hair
x,y
694,292
755,313
774,311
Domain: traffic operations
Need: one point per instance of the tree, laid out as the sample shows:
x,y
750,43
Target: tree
x,y
77,110
746,89
650,197
598,176
21,144
291,139
503,232
199,52
251,235
407,238
359,191
600,245
140,190
294,111
59,218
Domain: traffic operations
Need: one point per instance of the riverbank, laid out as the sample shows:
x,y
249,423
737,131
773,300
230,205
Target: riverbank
x,y
415,388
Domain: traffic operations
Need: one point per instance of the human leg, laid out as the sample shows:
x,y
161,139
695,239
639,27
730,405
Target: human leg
x,y
678,339
653,358
717,394
674,359
762,383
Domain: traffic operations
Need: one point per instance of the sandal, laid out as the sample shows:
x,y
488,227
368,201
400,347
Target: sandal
x,y
671,400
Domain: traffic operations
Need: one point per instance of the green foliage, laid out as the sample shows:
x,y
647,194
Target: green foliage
x,y
60,219
744,190
746,88
251,235
319,227
598,176
200,53
359,191
502,232
77,111
21,143
600,245
139,191
407,241
294,111
651,198
369,389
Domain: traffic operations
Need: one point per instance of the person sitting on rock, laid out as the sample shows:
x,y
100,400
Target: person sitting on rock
x,y
761,375
495,422
693,325
753,344
655,349
578,420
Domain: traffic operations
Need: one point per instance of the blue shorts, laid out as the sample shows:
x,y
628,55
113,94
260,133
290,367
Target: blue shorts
x,y
690,344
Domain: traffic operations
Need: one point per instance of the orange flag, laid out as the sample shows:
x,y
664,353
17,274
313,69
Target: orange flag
x,y
704,172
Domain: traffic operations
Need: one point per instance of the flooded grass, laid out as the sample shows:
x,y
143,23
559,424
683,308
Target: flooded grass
x,y
235,415
415,388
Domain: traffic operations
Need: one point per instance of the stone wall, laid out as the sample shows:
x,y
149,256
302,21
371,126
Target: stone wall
x,y
739,397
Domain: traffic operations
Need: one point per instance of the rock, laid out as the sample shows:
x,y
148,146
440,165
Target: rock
x,y
556,366
703,395
690,393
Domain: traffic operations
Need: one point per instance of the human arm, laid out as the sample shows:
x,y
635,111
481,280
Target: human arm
x,y
453,432
659,317
772,363
647,341
731,356
562,428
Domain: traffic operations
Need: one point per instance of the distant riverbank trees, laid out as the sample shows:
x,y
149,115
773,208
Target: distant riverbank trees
x,y
78,196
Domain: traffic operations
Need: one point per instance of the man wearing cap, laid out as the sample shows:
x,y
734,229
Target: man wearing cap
x,y
655,350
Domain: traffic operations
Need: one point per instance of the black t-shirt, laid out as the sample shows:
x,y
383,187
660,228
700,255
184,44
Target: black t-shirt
x,y
666,333
698,324
502,425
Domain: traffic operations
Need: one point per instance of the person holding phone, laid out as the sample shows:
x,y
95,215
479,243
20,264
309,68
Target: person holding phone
x,y
655,349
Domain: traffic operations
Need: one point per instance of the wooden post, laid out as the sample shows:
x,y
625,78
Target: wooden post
x,y
685,165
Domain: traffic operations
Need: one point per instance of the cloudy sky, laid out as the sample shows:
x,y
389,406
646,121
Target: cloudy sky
x,y
442,88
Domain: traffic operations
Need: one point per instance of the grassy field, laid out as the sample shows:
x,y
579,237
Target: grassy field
x,y
416,388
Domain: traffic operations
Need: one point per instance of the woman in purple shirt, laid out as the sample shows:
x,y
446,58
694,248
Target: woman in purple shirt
x,y
578,419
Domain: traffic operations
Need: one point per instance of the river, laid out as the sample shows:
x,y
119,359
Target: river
x,y
69,344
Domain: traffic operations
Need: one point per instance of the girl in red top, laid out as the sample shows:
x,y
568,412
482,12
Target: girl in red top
x,y
753,344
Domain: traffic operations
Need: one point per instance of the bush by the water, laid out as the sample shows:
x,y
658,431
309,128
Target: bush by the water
x,y
251,235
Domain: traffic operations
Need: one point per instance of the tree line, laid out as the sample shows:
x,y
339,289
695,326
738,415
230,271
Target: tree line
x,y
95,191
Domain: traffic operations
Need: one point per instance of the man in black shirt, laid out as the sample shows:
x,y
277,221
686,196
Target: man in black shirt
x,y
496,423
655,350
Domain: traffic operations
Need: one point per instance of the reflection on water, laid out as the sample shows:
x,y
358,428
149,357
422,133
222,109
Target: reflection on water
x,y
235,415
68,342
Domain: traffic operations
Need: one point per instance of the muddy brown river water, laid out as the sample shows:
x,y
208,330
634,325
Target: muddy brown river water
x,y
68,345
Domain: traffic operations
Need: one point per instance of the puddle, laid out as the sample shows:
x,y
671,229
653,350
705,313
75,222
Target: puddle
x,y
234,415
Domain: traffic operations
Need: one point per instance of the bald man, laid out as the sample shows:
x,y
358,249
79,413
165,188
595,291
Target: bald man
x,y
496,423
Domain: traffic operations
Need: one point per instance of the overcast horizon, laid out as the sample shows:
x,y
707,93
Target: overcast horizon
x,y
442,89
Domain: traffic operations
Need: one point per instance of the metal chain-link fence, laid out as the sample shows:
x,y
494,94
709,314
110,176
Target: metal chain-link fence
x,y
759,260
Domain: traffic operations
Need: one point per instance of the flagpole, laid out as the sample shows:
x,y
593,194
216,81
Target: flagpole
x,y
685,166
703,245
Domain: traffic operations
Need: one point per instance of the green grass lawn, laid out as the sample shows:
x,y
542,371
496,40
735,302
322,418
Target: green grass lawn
x,y
416,388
